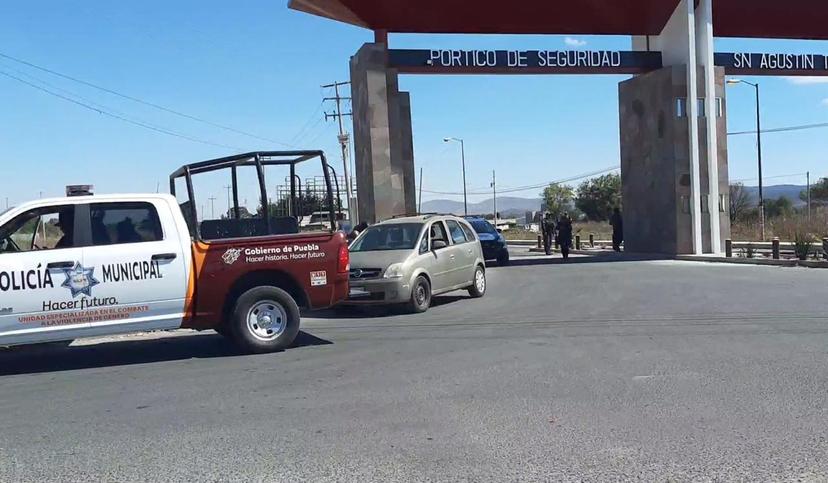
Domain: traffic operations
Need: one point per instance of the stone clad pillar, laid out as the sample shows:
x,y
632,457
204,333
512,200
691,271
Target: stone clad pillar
x,y
406,159
383,144
656,164
673,144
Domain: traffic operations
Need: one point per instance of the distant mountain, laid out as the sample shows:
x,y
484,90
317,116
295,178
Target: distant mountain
x,y
507,206
789,191
511,206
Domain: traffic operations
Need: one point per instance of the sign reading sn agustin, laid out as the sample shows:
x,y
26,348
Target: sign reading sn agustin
x,y
770,64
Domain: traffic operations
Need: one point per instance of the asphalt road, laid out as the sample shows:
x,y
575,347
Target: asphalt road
x,y
651,370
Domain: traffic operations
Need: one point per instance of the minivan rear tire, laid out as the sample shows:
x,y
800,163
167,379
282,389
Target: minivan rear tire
x,y
478,286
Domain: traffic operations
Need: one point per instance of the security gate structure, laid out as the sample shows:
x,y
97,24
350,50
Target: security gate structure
x,y
672,111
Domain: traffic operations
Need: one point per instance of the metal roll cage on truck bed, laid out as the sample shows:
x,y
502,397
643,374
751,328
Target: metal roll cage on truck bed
x,y
269,225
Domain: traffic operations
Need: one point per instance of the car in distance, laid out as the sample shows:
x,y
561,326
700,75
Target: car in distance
x,y
493,242
407,260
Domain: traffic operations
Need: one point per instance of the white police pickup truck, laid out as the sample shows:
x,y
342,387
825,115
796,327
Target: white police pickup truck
x,y
91,265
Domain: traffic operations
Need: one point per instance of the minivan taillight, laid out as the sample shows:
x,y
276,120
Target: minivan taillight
x,y
344,263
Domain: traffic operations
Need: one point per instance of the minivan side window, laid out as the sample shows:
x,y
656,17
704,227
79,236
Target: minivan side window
x,y
468,231
424,243
124,222
438,232
47,228
456,232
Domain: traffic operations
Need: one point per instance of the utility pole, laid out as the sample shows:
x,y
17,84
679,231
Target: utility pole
x,y
343,141
494,197
463,160
759,155
40,194
212,207
758,151
808,179
419,206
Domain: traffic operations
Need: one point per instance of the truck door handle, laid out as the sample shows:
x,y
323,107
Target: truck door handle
x,y
164,257
451,256
59,265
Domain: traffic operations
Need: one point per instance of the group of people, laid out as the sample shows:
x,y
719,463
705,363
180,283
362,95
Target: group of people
x,y
559,232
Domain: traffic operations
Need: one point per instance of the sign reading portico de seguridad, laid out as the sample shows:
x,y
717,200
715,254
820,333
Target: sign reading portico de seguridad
x,y
524,59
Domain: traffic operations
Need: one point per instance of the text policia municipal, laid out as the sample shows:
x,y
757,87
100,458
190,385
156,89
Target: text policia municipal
x,y
42,278
524,58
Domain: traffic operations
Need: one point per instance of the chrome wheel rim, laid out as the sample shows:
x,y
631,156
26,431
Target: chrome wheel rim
x,y
480,281
420,295
266,320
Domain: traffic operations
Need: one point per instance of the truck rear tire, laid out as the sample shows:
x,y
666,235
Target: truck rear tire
x,y
264,319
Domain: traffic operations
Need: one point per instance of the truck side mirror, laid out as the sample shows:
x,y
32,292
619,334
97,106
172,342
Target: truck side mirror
x,y
438,244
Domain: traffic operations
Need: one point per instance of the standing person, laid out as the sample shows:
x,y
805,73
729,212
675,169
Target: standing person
x,y
617,223
356,231
548,229
565,234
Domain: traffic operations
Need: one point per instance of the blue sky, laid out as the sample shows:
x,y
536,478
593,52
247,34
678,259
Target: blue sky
x,y
257,66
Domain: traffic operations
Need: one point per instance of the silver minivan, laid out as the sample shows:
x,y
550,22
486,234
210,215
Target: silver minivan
x,y
408,260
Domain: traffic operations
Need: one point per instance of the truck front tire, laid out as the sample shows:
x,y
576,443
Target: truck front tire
x,y
264,319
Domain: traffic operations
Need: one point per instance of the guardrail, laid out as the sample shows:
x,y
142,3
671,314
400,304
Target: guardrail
x,y
774,249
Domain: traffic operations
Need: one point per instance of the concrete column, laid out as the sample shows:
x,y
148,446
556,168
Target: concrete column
x,y
677,43
383,145
693,115
704,54
407,153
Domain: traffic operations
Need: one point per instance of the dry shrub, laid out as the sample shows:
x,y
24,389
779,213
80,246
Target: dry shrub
x,y
784,227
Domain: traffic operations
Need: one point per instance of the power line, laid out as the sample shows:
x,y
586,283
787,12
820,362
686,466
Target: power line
x,y
307,123
782,129
146,103
105,112
529,187
769,177
61,89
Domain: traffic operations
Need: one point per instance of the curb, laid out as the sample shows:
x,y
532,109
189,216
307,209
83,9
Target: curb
x,y
737,261
701,258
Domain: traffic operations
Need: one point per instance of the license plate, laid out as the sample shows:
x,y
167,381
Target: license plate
x,y
359,292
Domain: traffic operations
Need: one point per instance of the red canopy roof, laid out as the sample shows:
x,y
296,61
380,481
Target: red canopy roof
x,y
805,19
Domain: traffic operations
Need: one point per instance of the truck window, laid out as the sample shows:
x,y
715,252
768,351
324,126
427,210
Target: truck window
x,y
124,222
46,228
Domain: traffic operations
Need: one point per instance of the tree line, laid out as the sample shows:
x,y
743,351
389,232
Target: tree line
x,y
744,208
593,200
